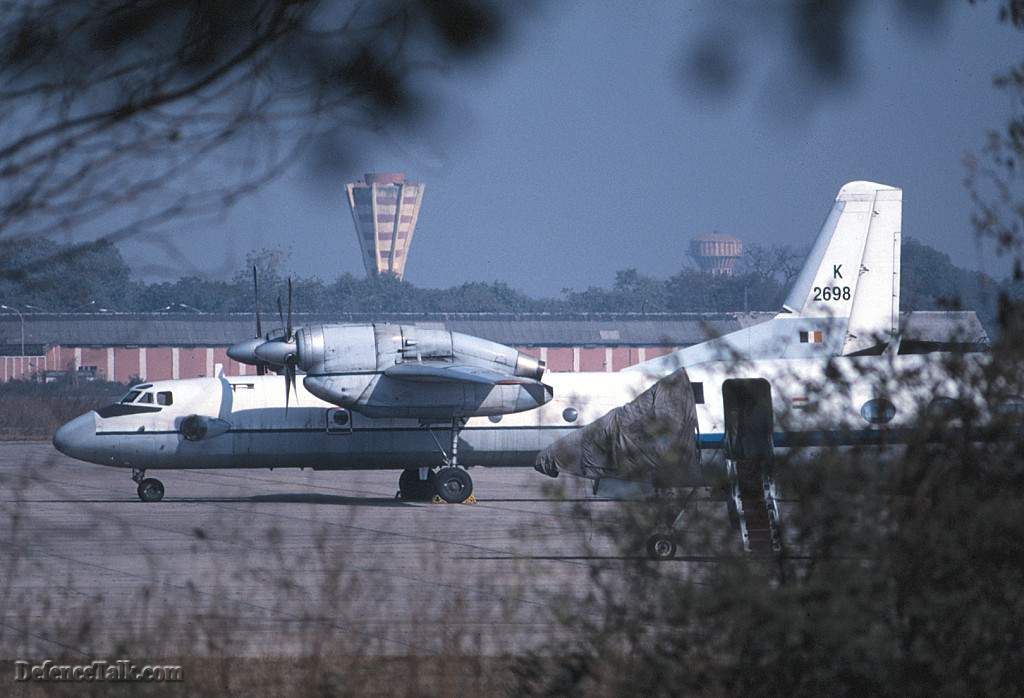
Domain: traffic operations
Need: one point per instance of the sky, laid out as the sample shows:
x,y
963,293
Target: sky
x,y
579,149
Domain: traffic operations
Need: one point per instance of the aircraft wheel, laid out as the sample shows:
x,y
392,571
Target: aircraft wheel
x,y
151,490
412,489
454,485
661,546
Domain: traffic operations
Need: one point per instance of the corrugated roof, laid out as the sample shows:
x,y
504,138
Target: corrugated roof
x,y
104,330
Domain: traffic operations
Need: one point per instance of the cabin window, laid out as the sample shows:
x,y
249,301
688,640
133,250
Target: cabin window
x,y
698,393
570,414
164,398
878,411
130,397
146,399
339,421
494,418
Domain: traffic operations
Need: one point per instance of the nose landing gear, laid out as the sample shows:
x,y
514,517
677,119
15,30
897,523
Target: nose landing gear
x,y
150,489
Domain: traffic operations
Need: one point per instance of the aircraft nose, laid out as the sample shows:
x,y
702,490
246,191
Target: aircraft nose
x,y
71,438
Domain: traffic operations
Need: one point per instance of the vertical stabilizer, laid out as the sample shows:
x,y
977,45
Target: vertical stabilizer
x,y
852,271
845,301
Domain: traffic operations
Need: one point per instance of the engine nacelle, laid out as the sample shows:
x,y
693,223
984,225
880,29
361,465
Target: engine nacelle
x,y
381,396
347,349
347,365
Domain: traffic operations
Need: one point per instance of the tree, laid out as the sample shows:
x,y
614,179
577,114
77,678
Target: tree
x,y
59,278
124,115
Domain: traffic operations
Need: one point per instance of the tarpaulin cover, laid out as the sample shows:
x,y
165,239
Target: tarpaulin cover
x,y
649,439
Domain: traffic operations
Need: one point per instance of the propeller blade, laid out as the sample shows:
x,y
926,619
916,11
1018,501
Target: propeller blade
x,y
289,383
280,310
256,296
290,336
287,387
261,368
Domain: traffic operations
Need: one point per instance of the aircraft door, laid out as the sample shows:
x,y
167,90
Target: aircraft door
x,y
339,421
749,420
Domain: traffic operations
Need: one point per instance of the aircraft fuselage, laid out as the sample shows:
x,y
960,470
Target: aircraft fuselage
x,y
258,432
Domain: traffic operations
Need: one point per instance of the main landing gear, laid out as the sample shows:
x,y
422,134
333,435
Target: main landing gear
x,y
454,484
661,545
417,485
150,489
450,482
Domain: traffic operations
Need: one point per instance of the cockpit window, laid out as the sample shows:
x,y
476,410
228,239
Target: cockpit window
x,y
146,399
164,398
130,397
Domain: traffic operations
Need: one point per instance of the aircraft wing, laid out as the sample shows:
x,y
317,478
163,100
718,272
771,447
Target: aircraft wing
x,y
452,373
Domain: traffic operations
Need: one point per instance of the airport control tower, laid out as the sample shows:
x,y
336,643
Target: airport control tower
x,y
716,253
384,209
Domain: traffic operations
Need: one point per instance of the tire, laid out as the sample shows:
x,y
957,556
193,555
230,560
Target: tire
x,y
454,485
151,490
661,546
412,489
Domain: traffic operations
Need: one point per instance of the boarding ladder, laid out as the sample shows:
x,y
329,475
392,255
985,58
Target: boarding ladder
x,y
756,505
749,453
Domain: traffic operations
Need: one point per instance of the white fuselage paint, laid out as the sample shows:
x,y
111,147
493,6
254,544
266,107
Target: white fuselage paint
x,y
264,434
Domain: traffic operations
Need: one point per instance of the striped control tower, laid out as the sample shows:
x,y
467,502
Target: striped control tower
x,y
385,208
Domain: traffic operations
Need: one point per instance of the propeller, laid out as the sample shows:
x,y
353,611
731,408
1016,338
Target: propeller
x,y
246,352
285,349
261,368
276,349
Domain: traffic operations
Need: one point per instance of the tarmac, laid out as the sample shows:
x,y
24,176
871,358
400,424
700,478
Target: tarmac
x,y
256,562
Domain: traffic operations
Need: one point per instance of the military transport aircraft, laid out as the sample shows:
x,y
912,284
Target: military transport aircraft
x,y
428,402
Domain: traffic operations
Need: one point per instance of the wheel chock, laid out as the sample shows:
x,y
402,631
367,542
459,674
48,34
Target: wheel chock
x,y
471,499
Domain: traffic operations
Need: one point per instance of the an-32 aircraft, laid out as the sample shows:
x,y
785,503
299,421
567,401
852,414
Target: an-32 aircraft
x,y
428,402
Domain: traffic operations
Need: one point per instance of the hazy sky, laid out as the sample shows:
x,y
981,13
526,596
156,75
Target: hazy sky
x,y
579,149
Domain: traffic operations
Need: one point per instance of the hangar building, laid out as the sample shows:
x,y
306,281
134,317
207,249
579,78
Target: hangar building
x,y
162,346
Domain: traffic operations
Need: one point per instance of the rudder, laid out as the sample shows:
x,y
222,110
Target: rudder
x,y
853,269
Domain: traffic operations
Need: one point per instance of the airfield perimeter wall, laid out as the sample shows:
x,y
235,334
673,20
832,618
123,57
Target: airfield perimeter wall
x,y
124,347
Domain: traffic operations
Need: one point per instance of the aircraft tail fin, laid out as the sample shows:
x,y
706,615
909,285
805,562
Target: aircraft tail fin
x,y
853,269
846,299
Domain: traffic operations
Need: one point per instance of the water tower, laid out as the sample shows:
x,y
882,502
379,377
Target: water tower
x,y
716,253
